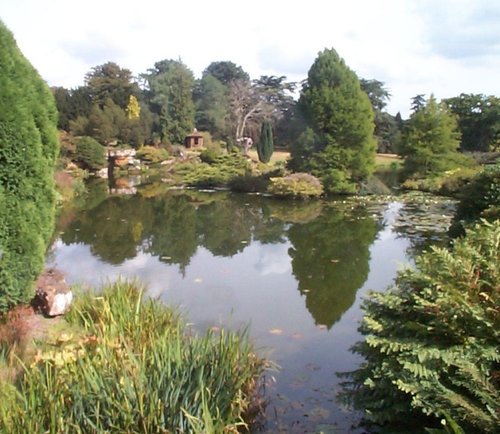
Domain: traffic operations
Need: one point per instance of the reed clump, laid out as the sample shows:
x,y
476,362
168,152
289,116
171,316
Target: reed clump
x,y
135,368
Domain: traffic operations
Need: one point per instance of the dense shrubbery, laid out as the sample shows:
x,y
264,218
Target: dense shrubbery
x,y
90,154
28,149
224,168
136,369
151,154
480,198
296,185
431,345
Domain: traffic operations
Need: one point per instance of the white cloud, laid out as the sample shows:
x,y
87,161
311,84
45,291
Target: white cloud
x,y
445,47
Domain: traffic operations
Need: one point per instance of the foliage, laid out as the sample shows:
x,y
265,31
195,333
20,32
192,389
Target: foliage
x,y
431,141
254,102
223,168
170,95
211,100
210,155
90,154
449,183
478,121
341,149
133,108
296,185
431,341
265,145
151,154
135,368
226,72
111,82
28,151
480,198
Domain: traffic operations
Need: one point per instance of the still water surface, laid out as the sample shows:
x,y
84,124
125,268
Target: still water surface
x,y
295,272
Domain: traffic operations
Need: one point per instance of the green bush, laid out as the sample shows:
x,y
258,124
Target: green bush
x,y
210,155
431,343
28,150
224,168
150,154
136,368
296,185
90,154
478,199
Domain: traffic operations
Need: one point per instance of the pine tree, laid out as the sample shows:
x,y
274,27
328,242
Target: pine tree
x,y
265,146
28,149
431,140
342,150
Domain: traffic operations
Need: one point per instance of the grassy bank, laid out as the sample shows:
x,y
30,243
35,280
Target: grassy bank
x,y
132,366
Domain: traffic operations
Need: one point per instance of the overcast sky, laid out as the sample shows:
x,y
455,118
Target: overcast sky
x,y
444,47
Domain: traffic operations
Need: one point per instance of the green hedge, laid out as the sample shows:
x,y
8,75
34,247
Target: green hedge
x,y
28,150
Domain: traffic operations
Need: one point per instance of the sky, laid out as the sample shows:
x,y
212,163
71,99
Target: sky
x,y
440,47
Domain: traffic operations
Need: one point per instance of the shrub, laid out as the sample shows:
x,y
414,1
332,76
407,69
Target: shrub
x,y
224,168
431,344
478,199
28,150
151,154
210,155
90,154
296,185
135,369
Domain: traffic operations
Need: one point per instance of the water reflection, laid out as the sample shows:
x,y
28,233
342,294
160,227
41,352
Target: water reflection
x,y
330,259
294,270
329,245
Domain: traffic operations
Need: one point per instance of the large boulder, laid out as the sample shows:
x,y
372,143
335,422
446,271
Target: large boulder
x,y
53,295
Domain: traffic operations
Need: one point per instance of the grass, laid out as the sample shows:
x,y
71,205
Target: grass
x,y
276,157
383,160
133,367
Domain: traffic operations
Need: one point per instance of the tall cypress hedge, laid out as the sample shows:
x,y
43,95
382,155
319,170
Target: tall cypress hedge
x,y
28,150
265,147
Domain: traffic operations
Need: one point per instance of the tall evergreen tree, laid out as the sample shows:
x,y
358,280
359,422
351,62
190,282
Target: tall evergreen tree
x,y
265,146
170,94
339,147
431,140
28,150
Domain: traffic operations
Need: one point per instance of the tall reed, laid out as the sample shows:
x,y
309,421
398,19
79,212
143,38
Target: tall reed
x,y
135,368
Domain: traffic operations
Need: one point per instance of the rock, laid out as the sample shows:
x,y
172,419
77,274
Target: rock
x,y
53,295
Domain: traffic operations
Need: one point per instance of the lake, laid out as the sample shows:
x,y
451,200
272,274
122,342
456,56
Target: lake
x,y
294,272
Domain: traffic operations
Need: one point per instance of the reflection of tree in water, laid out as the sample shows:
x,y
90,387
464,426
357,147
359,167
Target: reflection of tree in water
x,y
330,259
113,229
225,227
172,236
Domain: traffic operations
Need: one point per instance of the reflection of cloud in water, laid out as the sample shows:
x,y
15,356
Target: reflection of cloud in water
x,y
82,268
274,259
390,216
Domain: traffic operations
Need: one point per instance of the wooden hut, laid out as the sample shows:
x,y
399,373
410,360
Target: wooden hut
x,y
193,140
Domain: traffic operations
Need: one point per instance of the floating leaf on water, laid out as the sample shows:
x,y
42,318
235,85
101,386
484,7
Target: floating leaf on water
x,y
275,332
